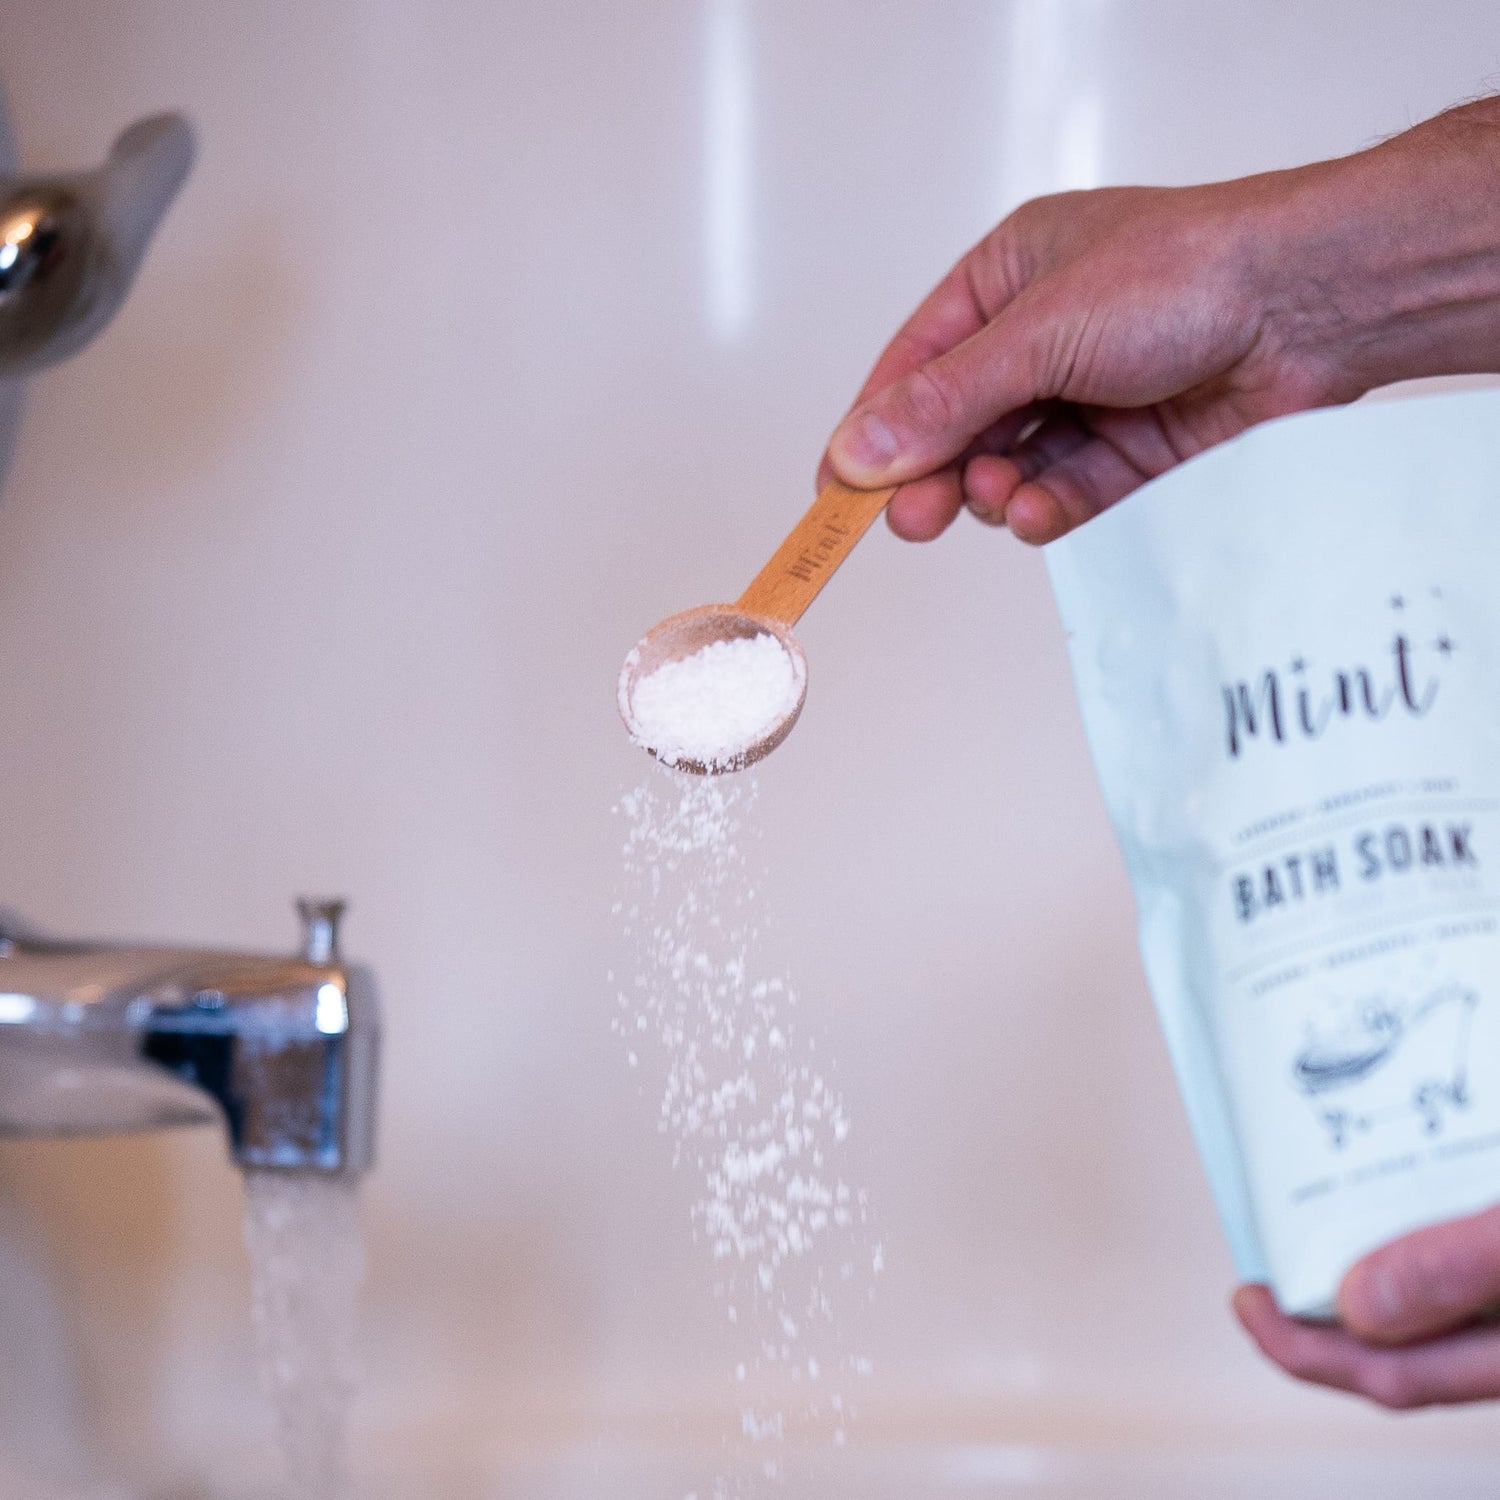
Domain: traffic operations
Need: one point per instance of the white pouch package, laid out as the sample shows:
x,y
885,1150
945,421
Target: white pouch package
x,y
1288,656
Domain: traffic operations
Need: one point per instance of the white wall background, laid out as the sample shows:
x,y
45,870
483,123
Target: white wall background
x,y
483,336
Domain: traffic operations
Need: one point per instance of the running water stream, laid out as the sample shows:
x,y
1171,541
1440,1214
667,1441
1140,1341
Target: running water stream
x,y
307,1258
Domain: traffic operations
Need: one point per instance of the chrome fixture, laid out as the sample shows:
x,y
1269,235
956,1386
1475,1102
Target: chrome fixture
x,y
70,245
97,1038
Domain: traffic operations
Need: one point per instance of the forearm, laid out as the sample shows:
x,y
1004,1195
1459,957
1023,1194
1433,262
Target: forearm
x,y
1387,263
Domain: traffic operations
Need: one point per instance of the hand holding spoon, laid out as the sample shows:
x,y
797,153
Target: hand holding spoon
x,y
776,599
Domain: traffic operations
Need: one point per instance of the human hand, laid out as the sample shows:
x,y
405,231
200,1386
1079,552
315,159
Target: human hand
x,y
1093,340
1411,1333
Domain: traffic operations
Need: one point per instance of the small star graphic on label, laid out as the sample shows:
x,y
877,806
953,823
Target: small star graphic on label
x,y
1444,645
1397,602
1299,665
1436,592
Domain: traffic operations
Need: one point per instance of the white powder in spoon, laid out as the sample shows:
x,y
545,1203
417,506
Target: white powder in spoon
x,y
712,706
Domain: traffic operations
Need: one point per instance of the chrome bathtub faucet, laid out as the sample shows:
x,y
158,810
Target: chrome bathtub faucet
x,y
70,244
98,1038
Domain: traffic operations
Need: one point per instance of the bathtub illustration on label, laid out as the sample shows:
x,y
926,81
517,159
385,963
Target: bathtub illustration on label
x,y
1391,1062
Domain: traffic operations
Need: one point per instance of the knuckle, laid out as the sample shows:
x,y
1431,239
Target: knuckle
x,y
1392,1386
1011,255
1300,1364
1054,353
1035,215
1299,1358
933,400
1305,382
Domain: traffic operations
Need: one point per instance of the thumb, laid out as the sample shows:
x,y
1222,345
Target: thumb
x,y
1425,1284
928,417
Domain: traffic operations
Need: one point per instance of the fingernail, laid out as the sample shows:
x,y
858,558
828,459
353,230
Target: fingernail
x,y
866,441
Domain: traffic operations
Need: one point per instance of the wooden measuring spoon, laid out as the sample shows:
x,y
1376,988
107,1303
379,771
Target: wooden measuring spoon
x,y
777,598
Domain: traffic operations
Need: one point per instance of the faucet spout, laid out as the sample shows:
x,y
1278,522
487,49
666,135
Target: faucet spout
x,y
70,244
97,1038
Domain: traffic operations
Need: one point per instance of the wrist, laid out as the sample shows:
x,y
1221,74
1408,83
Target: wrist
x,y
1386,264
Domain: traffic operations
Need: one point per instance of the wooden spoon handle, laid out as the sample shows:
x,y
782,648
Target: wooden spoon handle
x,y
818,543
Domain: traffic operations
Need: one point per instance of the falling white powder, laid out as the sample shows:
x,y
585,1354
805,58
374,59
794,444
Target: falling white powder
x,y
747,1108
711,707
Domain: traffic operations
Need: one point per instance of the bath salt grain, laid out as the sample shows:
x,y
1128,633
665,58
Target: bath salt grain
x,y
712,706
749,1107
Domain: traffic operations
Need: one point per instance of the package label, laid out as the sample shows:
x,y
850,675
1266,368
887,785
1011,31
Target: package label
x,y
1287,653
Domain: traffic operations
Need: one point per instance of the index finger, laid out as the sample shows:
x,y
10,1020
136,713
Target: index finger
x,y
946,316
950,313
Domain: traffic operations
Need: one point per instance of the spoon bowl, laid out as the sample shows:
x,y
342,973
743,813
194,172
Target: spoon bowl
x,y
773,603
683,635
